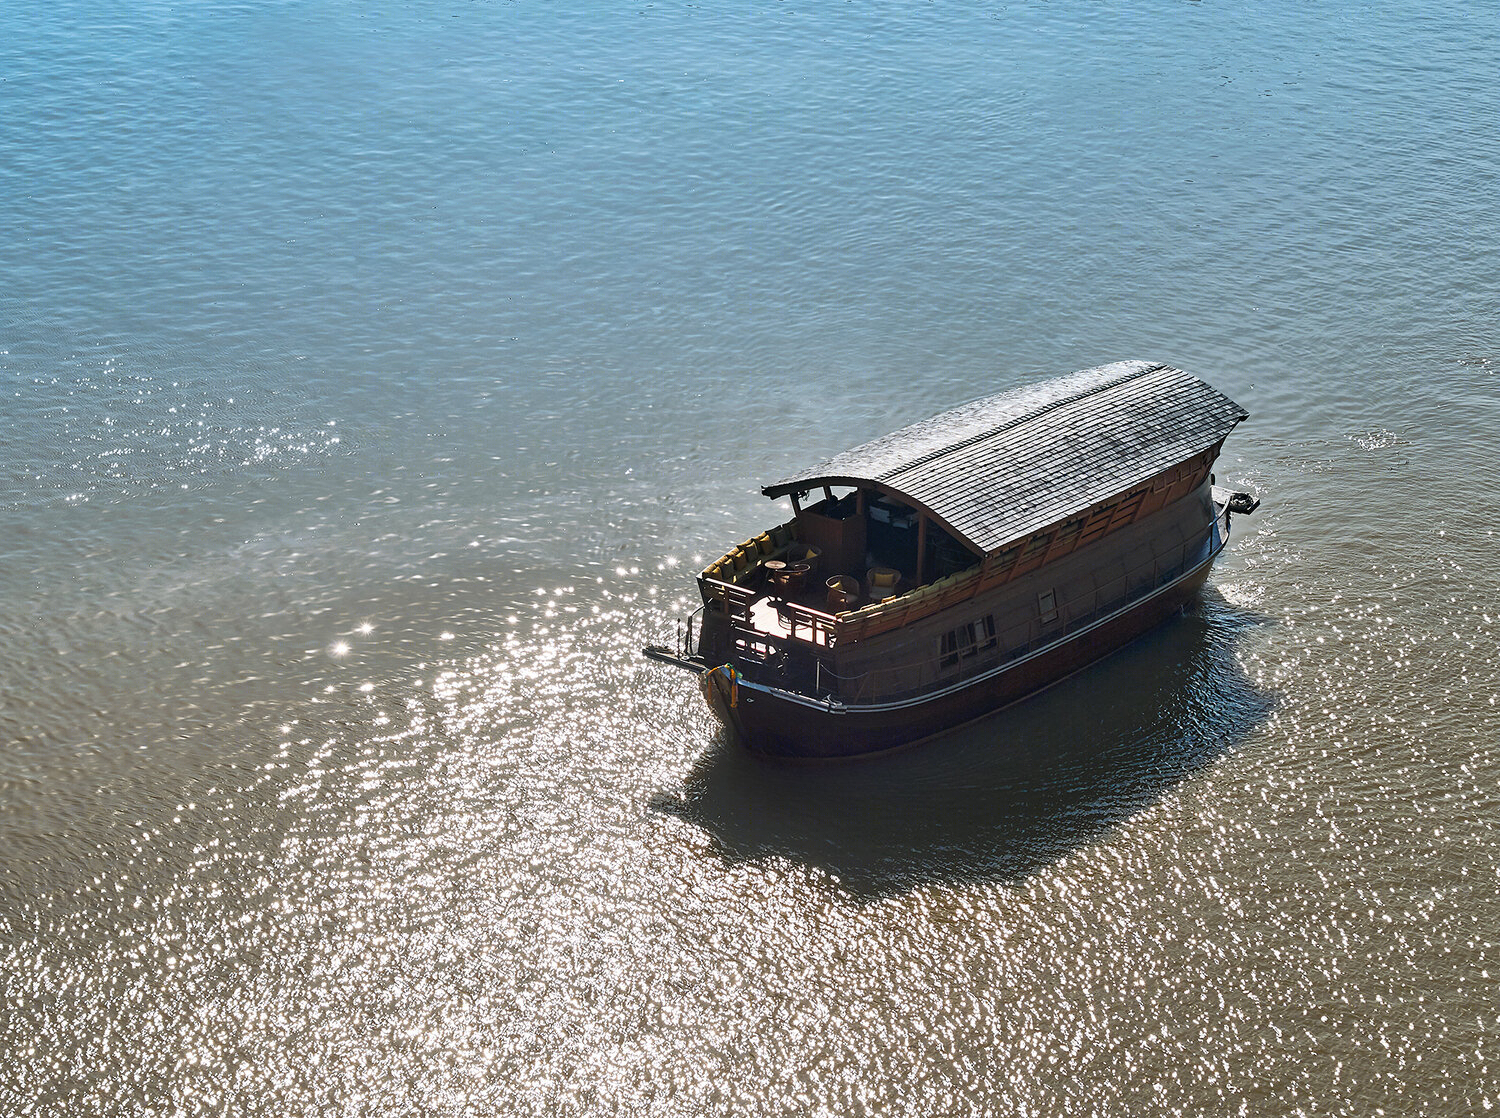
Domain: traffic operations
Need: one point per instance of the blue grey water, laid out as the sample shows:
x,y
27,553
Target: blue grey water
x,y
372,380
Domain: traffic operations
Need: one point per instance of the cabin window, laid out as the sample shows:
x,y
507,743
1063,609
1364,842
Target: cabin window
x,y
968,640
1046,604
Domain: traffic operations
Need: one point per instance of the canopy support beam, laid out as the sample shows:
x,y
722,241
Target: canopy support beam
x,y
921,547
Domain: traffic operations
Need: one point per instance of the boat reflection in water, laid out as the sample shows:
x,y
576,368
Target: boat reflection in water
x,y
964,562
1003,798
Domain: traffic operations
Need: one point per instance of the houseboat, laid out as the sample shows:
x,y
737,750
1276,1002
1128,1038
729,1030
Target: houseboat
x,y
951,567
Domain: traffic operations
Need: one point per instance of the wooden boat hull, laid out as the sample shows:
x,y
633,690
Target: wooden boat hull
x,y
1004,544
782,723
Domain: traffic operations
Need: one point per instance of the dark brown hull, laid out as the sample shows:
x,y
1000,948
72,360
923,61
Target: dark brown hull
x,y
780,723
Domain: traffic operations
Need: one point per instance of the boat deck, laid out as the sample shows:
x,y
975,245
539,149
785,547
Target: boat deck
x,y
810,611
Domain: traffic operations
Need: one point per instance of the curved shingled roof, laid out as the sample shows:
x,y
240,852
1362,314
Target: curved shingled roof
x,y
996,469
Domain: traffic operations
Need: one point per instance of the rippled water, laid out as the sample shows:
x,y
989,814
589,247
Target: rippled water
x,y
372,382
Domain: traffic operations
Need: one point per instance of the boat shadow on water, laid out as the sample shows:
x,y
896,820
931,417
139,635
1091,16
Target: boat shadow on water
x,y
1003,798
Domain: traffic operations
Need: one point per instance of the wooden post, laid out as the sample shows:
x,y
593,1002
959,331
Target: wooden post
x,y
921,547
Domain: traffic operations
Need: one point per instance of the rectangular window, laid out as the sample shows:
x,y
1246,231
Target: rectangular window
x,y
986,632
967,641
1046,604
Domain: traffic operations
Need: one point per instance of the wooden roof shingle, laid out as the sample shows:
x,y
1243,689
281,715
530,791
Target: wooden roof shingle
x,y
999,468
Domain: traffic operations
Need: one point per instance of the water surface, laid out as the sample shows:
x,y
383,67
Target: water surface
x,y
372,382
